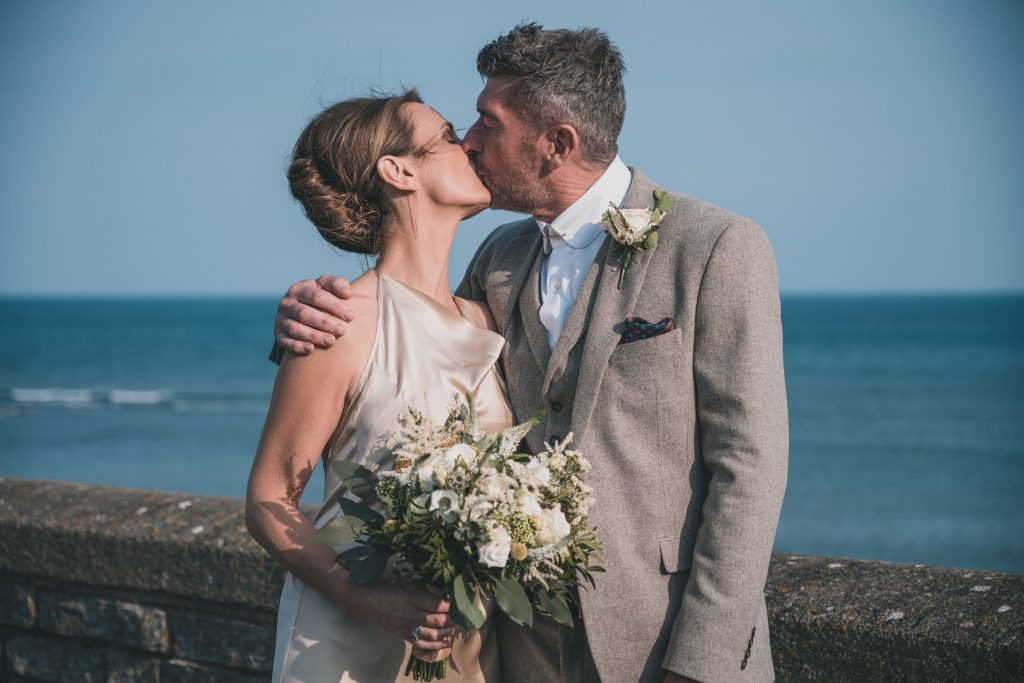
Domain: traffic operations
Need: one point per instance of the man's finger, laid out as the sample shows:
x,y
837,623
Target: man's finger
x,y
338,286
300,348
324,303
297,332
316,320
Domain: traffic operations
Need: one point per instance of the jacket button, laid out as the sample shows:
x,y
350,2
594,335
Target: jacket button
x,y
556,406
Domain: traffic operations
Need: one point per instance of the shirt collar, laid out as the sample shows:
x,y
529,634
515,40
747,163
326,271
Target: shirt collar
x,y
579,224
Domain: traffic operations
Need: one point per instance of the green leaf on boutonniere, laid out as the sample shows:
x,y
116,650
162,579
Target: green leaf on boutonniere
x,y
651,240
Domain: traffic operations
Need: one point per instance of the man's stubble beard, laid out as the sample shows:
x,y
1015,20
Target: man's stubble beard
x,y
520,189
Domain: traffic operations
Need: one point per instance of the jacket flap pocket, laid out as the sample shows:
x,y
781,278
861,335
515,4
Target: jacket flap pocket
x,y
677,552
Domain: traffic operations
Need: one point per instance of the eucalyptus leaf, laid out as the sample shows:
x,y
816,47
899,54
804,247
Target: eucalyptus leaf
x,y
338,531
514,602
464,611
357,553
367,570
651,239
556,607
358,510
359,480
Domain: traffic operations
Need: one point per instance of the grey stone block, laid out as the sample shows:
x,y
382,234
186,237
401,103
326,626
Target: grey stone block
x,y
61,661
55,661
124,623
130,668
17,605
191,546
229,642
177,671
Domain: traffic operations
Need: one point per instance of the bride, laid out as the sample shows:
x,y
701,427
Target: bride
x,y
387,177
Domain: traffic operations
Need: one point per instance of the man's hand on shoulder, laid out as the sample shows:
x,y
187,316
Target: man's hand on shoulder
x,y
313,313
671,677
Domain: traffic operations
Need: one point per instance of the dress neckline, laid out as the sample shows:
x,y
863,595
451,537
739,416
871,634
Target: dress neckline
x,y
466,313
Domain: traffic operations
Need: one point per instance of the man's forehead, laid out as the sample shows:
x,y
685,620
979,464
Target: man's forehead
x,y
493,95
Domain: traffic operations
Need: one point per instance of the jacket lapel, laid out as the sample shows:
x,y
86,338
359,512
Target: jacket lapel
x,y
611,307
529,310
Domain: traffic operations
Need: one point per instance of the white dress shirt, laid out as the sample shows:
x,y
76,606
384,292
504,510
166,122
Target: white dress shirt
x,y
574,238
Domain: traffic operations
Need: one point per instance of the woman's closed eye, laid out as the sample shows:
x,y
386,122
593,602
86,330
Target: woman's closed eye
x,y
451,136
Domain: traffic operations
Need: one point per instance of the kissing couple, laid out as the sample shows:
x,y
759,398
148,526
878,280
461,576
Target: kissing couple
x,y
650,333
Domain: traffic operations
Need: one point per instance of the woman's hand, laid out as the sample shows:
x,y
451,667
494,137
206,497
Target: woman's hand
x,y
400,611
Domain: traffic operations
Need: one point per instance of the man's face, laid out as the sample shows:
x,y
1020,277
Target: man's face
x,y
506,152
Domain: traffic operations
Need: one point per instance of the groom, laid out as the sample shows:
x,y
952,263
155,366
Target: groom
x,y
672,385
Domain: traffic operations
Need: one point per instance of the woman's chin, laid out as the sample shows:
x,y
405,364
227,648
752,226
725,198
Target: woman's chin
x,y
474,210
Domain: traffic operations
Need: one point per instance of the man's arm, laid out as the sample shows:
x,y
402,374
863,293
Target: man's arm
x,y
742,418
311,313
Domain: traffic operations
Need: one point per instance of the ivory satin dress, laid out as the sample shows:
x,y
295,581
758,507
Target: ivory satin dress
x,y
422,355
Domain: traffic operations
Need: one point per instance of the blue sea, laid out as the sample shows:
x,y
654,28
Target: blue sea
x,y
906,413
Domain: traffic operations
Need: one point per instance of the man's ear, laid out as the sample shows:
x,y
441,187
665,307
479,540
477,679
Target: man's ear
x,y
564,143
398,172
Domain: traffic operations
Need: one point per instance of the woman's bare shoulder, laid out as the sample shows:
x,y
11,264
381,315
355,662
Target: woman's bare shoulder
x,y
344,360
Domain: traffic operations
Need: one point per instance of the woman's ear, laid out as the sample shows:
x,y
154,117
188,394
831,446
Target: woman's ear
x,y
398,172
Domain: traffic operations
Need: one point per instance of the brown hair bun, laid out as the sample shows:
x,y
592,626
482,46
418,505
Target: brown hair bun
x,y
333,173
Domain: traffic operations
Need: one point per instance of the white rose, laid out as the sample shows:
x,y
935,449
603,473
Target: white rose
x,y
461,451
536,474
528,505
553,527
495,552
476,508
495,485
629,226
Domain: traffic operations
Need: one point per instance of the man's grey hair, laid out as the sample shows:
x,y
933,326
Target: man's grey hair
x,y
563,76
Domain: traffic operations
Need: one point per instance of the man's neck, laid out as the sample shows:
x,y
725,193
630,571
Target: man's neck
x,y
566,187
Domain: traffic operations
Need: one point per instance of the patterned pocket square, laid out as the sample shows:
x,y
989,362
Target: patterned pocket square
x,y
637,329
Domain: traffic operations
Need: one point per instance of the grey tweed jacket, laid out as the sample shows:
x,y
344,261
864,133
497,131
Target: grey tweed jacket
x,y
686,433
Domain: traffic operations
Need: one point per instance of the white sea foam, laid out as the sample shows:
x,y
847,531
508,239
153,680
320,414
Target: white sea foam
x,y
139,398
66,396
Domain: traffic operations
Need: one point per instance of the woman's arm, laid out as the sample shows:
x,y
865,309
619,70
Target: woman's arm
x,y
308,399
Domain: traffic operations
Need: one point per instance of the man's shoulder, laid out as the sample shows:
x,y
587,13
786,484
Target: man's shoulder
x,y
692,221
501,236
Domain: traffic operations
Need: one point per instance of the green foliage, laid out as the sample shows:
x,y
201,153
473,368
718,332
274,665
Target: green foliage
x,y
513,601
554,605
464,611
339,531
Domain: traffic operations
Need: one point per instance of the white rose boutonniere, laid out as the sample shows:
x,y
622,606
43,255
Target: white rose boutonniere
x,y
635,230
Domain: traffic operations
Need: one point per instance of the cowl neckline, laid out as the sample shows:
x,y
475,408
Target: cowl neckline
x,y
468,344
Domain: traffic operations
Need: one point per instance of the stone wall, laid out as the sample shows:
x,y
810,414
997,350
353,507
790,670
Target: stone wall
x,y
107,584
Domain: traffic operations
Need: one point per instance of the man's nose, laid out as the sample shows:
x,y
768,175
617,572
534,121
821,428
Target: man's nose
x,y
471,141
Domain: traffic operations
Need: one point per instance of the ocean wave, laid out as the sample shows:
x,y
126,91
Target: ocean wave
x,y
18,401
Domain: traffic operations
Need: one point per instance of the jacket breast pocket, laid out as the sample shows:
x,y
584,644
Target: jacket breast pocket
x,y
677,552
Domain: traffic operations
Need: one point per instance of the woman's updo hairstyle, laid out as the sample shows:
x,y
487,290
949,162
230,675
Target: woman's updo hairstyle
x,y
334,168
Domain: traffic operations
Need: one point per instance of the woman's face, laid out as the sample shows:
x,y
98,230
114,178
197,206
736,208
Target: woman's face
x,y
446,176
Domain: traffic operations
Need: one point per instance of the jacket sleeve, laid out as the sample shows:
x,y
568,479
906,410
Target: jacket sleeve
x,y
472,286
744,444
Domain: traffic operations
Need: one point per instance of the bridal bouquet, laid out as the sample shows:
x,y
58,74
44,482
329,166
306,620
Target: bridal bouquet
x,y
464,512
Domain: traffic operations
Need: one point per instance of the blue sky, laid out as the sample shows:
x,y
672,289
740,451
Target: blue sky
x,y
144,144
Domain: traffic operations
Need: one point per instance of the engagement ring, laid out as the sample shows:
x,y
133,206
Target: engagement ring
x,y
415,634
